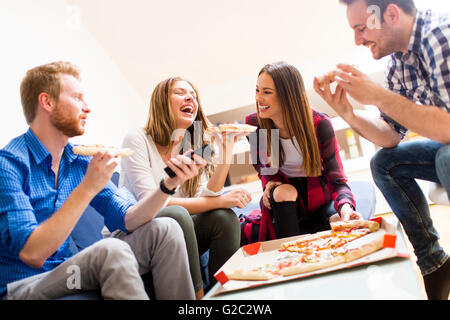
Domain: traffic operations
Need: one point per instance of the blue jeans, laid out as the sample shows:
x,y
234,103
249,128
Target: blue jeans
x,y
394,172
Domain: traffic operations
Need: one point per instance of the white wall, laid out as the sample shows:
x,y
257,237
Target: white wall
x,y
123,51
37,32
221,45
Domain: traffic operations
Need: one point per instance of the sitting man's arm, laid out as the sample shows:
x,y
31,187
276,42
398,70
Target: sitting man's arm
x,y
48,236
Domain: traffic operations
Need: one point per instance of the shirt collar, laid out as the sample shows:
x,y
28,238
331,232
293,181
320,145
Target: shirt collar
x,y
415,38
40,152
416,34
69,152
37,149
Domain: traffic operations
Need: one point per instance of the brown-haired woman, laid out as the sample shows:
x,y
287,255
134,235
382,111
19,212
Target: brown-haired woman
x,y
176,119
299,165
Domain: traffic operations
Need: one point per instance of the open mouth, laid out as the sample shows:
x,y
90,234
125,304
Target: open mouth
x,y
371,46
188,109
263,108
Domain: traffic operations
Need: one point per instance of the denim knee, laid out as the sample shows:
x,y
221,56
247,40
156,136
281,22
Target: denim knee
x,y
378,161
443,165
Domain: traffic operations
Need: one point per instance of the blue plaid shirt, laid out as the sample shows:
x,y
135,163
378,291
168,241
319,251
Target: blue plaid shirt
x,y
28,197
423,74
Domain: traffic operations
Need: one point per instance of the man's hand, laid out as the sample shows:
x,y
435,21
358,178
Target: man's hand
x,y
184,169
338,101
358,85
266,195
99,171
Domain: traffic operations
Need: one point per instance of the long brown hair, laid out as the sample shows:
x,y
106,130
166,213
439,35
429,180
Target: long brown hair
x,y
161,124
297,116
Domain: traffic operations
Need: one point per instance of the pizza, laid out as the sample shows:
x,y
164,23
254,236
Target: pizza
x,y
330,75
91,150
232,128
317,251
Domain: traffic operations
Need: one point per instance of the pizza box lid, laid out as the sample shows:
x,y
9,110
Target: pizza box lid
x,y
261,253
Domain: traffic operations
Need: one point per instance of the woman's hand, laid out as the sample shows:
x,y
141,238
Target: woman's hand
x,y
184,168
225,143
235,198
266,195
347,213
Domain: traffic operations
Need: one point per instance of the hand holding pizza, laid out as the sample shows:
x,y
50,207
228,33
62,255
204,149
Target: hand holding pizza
x,y
226,135
358,85
100,171
337,100
347,213
225,142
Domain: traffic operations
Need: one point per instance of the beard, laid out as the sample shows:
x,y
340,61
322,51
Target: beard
x,y
384,52
388,45
69,126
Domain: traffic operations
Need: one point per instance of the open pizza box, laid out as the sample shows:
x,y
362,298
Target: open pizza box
x,y
262,253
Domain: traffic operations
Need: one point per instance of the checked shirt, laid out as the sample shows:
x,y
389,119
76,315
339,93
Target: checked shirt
x,y
423,74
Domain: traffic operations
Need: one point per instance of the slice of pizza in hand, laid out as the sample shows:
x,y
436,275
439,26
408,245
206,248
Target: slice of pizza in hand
x,y
237,127
330,75
232,128
91,150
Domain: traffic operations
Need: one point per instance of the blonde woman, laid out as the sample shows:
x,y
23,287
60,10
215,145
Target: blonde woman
x,y
176,119
302,176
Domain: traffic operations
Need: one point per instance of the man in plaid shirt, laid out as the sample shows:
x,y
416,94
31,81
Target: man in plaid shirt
x,y
417,98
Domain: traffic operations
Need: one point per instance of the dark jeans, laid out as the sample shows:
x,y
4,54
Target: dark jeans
x,y
394,171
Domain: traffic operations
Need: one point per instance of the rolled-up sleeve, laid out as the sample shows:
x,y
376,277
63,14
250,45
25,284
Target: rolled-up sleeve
x,y
113,204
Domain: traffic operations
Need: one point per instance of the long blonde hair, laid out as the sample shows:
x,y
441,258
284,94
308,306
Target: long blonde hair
x,y
161,124
297,116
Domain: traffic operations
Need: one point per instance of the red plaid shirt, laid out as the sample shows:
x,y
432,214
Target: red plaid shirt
x,y
331,185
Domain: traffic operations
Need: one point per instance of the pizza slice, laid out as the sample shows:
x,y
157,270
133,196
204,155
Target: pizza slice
x,y
232,128
305,267
333,257
355,224
330,75
341,234
91,150
317,251
251,275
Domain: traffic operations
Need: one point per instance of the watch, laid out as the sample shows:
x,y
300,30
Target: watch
x,y
164,189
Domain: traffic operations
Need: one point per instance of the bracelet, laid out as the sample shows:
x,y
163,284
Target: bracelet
x,y
164,189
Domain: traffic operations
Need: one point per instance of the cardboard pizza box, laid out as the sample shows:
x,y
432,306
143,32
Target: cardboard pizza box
x,y
261,253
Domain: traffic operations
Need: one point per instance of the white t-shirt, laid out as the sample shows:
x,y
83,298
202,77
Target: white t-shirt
x,y
142,172
293,162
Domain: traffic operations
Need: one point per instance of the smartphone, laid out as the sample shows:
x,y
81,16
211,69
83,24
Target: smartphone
x,y
206,151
